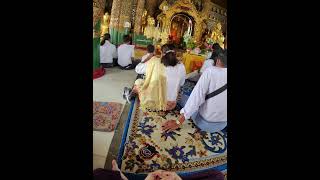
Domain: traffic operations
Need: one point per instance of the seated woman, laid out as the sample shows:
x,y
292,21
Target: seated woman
x,y
164,77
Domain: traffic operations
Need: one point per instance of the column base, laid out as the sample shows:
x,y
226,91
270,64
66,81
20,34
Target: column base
x,y
99,72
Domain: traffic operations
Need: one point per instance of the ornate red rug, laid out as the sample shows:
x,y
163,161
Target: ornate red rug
x,y
106,115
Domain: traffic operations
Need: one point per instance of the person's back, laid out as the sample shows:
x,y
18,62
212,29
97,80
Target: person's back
x,y
215,109
175,79
125,54
142,66
175,72
208,113
108,52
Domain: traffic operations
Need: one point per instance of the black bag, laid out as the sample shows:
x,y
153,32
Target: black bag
x,y
216,92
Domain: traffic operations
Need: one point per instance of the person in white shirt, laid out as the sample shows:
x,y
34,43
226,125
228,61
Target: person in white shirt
x,y
175,76
208,114
126,54
108,52
142,66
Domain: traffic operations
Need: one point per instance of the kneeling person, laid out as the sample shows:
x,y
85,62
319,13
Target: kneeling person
x,y
207,104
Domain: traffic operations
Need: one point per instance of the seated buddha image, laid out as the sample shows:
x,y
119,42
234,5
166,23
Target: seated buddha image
x,y
174,33
217,35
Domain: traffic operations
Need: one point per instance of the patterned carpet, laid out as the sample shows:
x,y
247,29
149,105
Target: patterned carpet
x,y
106,115
145,148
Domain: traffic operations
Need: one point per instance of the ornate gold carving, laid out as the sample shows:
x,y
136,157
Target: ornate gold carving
x,y
125,13
98,8
183,6
115,14
105,23
140,16
217,35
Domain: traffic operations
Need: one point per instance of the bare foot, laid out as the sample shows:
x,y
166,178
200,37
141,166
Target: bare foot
x,y
115,166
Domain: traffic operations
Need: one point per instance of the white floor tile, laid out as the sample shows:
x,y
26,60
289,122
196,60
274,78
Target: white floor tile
x,y
109,88
98,161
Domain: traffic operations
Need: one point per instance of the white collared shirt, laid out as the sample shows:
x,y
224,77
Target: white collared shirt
x,y
108,51
207,63
125,53
215,108
176,76
141,67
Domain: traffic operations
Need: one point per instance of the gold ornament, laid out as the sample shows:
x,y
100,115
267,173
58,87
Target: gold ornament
x,y
150,29
217,35
105,24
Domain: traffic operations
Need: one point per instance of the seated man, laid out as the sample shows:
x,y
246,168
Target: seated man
x,y
126,54
108,52
142,66
207,103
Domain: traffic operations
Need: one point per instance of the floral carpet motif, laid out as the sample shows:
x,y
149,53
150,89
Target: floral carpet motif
x,y
106,115
187,87
187,149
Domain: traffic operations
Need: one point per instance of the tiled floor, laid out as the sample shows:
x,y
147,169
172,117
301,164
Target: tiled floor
x,y
108,88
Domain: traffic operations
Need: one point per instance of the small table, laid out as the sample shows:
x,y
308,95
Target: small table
x,y
192,61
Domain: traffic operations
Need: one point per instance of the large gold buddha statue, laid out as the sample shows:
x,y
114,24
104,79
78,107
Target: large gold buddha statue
x,y
149,30
105,24
217,35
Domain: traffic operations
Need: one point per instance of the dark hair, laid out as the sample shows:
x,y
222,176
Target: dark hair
x,y
216,50
169,58
171,46
164,48
216,46
105,37
223,58
126,38
150,48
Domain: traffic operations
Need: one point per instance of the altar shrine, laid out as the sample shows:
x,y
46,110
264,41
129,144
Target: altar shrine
x,y
188,24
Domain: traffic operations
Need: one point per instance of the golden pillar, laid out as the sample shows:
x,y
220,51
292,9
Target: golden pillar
x,y
138,18
125,13
125,18
114,20
98,9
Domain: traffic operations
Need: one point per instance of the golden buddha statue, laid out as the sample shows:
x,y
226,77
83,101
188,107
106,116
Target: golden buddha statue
x,y
217,35
149,30
144,20
105,24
